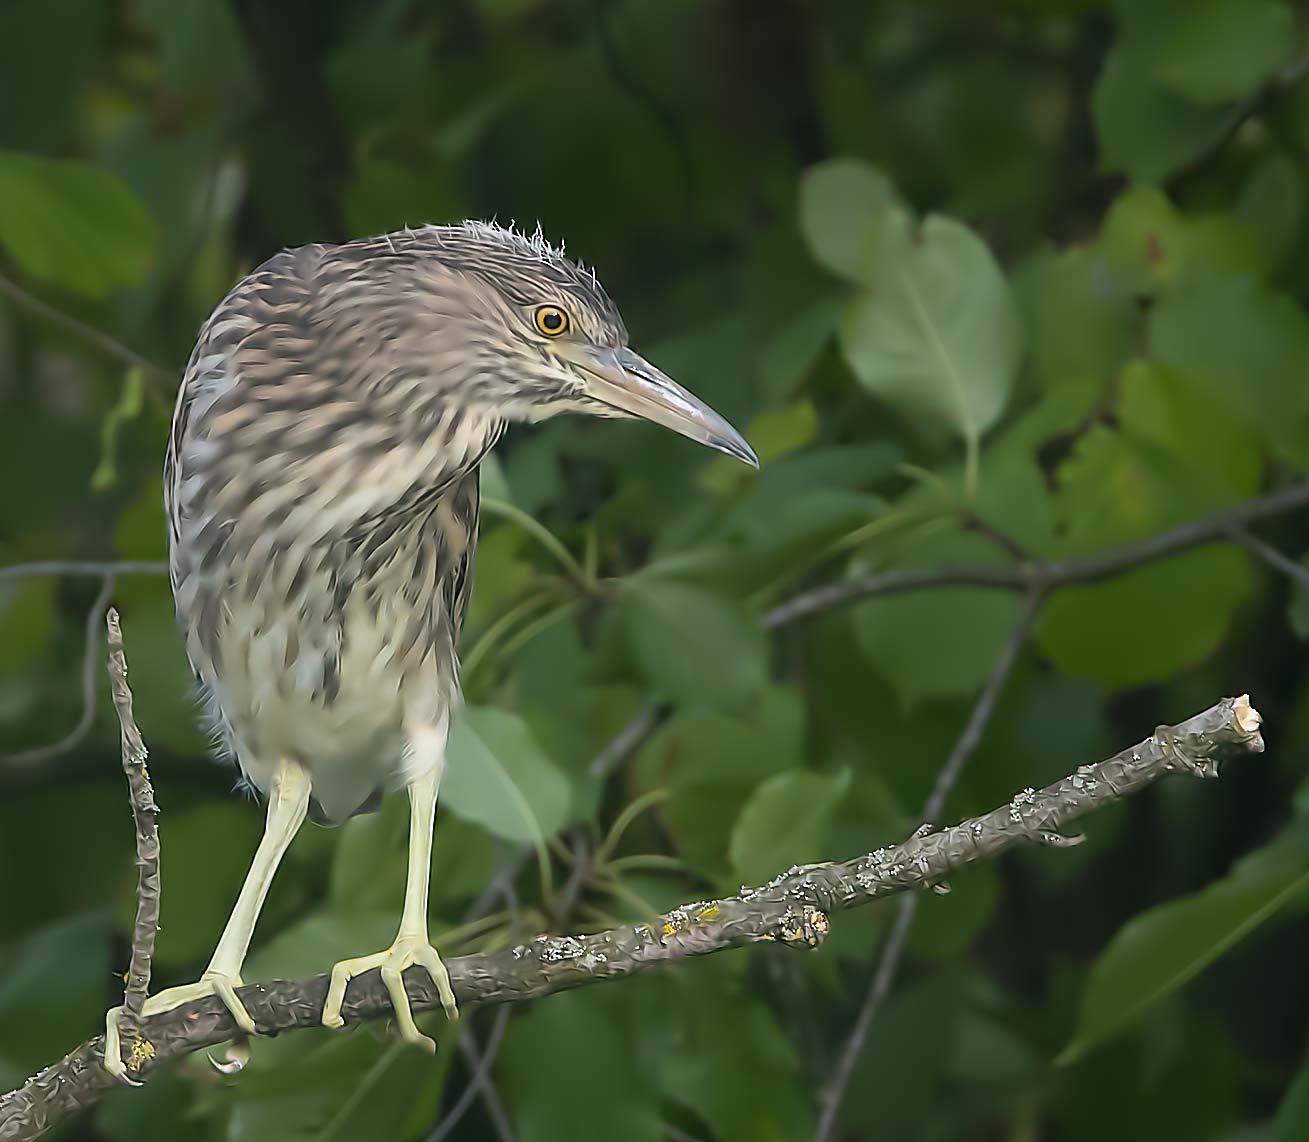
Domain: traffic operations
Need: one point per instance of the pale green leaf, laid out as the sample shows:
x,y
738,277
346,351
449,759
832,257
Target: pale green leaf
x,y
844,207
940,338
498,776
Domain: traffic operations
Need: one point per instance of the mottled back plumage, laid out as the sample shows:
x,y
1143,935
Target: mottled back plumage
x,y
322,493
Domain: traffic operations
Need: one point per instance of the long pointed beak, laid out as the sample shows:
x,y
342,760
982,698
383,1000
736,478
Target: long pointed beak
x,y
626,381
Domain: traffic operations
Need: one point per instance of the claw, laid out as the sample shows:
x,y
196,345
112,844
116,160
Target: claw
x,y
216,983
406,951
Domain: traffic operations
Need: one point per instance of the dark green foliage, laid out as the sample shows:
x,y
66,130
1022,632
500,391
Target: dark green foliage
x,y
1035,268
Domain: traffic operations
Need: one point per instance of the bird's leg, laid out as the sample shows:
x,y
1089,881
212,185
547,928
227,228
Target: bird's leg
x,y
411,943
288,800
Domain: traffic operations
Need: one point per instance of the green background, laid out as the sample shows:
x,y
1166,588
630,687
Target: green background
x,y
1040,264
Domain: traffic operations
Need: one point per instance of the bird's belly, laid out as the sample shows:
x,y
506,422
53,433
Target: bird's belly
x,y
335,691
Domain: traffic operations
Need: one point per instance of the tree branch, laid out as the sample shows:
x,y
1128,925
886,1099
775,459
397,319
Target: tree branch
x,y
145,815
964,748
791,910
91,336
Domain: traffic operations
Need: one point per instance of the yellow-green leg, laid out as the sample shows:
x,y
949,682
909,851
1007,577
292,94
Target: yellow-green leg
x,y
288,800
411,944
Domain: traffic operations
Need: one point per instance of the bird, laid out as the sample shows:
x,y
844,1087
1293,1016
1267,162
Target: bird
x,y
321,492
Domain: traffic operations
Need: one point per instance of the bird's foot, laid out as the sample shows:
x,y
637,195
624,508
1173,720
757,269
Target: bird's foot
x,y
219,983
406,951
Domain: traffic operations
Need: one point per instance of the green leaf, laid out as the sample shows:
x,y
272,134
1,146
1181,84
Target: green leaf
x,y
73,224
1251,346
498,776
1271,204
844,209
342,1088
754,1091
939,643
1209,51
1143,241
1145,130
1291,1123
785,822
54,989
940,338
1163,949
1148,624
593,1091
1081,333
1174,452
693,647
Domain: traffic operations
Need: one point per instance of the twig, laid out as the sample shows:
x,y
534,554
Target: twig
x,y
101,341
83,567
1275,559
791,910
964,748
630,738
1045,574
144,816
479,1082
90,644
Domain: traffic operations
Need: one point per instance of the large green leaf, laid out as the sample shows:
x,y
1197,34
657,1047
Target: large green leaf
x,y
693,647
1145,130
1162,950
940,336
73,224
497,776
1174,452
1251,346
1208,51
785,822
939,643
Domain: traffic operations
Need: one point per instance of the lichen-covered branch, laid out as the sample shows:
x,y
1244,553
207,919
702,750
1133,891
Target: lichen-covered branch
x,y
792,909
145,814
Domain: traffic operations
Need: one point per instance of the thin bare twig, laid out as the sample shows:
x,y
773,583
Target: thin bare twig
x,y
791,910
477,1079
80,329
100,567
884,976
145,817
90,645
1024,576
1275,559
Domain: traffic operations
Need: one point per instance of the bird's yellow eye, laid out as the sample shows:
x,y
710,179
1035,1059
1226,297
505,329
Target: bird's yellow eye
x,y
551,320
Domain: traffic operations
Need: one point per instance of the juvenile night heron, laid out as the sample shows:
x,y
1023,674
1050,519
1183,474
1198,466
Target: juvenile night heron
x,y
321,489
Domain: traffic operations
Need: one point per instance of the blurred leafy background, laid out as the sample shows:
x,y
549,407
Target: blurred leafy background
x,y
1025,275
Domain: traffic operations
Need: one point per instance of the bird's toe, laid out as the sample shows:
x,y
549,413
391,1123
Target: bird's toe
x,y
405,952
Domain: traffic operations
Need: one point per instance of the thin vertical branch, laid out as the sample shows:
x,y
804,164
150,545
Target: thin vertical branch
x,y
964,748
144,816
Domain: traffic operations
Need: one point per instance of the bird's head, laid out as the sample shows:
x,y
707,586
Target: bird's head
x,y
510,325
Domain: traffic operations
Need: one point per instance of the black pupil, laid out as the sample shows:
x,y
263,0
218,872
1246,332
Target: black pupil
x,y
552,320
